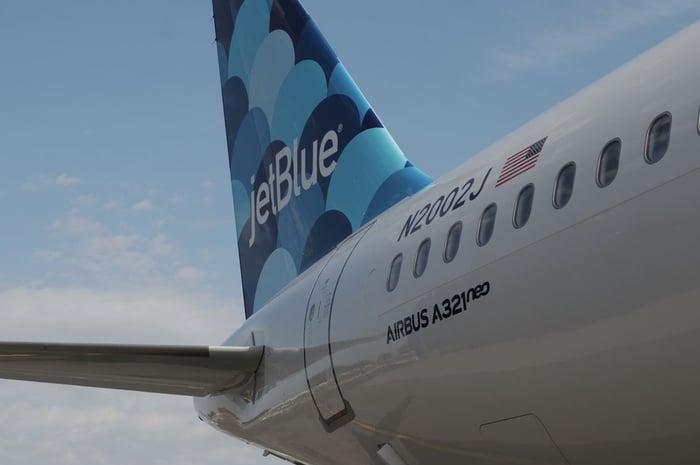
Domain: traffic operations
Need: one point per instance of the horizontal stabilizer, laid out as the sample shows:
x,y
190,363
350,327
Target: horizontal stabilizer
x,y
181,370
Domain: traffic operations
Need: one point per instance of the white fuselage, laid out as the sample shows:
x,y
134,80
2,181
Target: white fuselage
x,y
581,349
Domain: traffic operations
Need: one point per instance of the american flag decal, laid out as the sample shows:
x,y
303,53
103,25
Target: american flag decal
x,y
520,162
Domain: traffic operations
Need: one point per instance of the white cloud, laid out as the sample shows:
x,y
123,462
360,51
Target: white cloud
x,y
160,245
177,199
161,222
143,206
84,315
48,255
77,225
208,184
43,180
63,180
108,246
37,183
117,258
41,423
190,274
547,46
110,205
109,253
85,200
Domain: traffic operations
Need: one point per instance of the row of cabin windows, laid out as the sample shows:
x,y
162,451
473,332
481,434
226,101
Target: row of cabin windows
x,y
655,147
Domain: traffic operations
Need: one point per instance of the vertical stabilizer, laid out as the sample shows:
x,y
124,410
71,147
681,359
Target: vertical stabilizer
x,y
310,160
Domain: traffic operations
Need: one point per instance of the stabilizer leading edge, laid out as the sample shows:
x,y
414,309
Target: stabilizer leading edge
x,y
181,370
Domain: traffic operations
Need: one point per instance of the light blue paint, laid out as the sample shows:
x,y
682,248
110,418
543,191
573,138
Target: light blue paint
x,y
296,220
274,60
252,140
303,89
252,26
367,161
241,201
278,271
342,83
223,63
403,183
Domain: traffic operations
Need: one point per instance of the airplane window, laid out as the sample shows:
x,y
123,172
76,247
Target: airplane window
x,y
658,138
452,244
564,187
486,225
394,273
608,163
421,258
523,206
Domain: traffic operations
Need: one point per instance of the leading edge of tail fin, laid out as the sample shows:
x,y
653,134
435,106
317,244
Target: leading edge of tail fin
x,y
310,160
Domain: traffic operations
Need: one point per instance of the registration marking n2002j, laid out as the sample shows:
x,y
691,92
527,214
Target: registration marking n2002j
x,y
441,206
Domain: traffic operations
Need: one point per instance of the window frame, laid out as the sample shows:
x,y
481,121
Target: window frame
x,y
557,182
415,264
517,204
398,256
447,241
599,164
648,136
481,224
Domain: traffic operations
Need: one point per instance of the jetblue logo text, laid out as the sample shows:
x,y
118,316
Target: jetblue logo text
x,y
284,180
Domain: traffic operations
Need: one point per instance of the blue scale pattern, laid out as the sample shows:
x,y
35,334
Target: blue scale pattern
x,y
284,92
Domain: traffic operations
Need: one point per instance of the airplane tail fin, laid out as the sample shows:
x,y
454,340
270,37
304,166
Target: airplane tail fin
x,y
310,160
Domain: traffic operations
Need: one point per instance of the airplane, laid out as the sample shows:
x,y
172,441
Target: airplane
x,y
536,305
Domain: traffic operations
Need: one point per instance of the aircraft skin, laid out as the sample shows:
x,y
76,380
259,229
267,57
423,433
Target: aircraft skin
x,y
581,344
569,339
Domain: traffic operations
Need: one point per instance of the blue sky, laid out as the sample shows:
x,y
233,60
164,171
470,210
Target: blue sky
x,y
117,219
